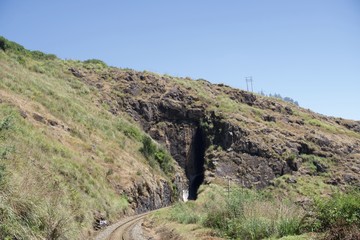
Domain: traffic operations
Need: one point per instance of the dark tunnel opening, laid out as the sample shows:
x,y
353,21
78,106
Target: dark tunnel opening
x,y
195,165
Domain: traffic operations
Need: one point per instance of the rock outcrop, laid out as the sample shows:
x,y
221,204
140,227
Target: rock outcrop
x,y
214,131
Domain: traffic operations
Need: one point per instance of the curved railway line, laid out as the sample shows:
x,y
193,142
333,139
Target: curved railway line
x,y
123,230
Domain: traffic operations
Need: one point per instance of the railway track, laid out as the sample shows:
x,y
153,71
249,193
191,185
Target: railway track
x,y
123,230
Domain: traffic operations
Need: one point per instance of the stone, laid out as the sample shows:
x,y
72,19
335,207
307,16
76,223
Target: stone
x,y
269,118
53,122
22,113
320,167
291,180
39,118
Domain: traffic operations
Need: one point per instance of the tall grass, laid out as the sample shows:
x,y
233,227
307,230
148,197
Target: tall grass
x,y
45,191
57,174
53,178
244,214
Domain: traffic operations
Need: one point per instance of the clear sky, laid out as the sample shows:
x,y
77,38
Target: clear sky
x,y
308,50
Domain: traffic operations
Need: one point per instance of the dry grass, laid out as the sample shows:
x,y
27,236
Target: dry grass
x,y
245,215
65,156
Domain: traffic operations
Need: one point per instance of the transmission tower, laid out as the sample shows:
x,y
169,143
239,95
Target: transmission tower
x,y
249,80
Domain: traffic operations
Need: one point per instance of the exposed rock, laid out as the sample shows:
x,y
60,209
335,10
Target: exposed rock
x,y
291,180
237,144
53,122
145,196
39,118
351,125
288,110
333,181
269,118
22,113
294,164
350,179
76,72
320,167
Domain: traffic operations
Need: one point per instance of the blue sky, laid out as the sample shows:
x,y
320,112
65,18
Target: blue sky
x,y
305,49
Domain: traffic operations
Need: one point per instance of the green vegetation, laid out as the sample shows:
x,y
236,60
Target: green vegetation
x,y
96,62
338,215
61,153
328,127
318,123
243,214
22,53
157,155
68,153
252,214
56,202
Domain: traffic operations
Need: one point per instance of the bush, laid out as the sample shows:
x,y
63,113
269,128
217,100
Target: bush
x,y
343,209
7,45
149,148
37,55
156,155
96,62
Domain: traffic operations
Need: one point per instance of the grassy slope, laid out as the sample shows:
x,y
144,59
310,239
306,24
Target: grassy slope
x,y
62,154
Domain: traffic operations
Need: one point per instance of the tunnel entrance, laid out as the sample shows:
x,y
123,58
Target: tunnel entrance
x,y
195,164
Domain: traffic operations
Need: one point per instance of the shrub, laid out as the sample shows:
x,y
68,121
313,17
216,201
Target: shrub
x,y
7,45
37,55
149,148
96,62
156,155
343,209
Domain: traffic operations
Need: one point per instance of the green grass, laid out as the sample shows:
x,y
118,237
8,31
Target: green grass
x,y
337,216
54,179
246,214
331,127
251,214
323,125
157,155
341,208
60,197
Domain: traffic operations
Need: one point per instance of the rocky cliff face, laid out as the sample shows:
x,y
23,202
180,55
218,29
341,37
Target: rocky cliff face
x,y
217,132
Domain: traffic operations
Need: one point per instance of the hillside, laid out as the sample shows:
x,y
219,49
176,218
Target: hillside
x,y
215,131
75,143
65,159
